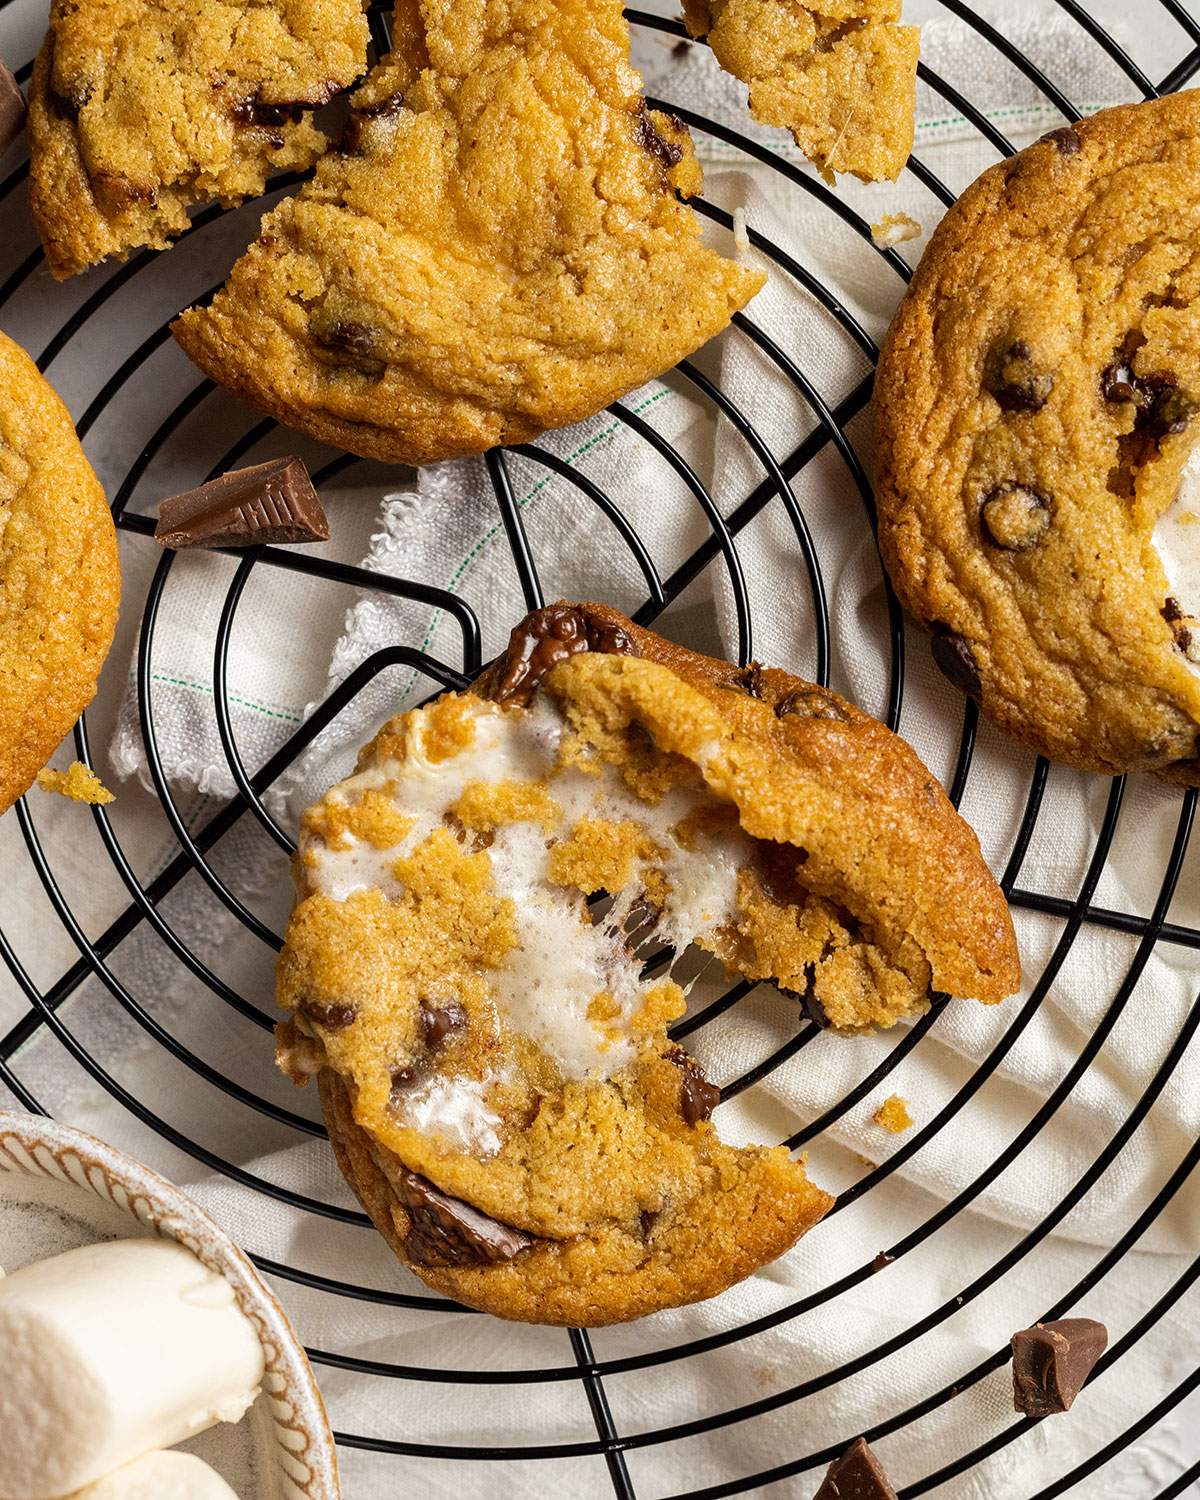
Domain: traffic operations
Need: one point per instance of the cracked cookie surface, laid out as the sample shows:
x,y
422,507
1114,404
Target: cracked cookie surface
x,y
59,575
497,248
1036,406
139,109
492,1044
837,73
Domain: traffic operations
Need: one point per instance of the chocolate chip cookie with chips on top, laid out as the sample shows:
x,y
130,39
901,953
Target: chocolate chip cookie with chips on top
x,y
498,247
482,964
141,109
1038,409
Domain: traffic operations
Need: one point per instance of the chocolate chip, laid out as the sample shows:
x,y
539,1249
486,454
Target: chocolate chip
x,y
857,1475
750,679
1064,140
12,108
346,343
697,1097
1051,1361
665,152
1172,610
445,1231
882,1261
271,502
404,1078
440,1022
1014,517
1010,375
274,113
956,660
331,1017
547,637
1162,409
810,703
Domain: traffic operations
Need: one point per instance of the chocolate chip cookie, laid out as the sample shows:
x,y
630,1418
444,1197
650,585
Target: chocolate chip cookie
x,y
483,963
59,575
1036,407
140,109
836,73
496,249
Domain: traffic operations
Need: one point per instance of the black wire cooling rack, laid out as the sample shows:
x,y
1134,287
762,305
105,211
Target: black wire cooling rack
x,y
146,909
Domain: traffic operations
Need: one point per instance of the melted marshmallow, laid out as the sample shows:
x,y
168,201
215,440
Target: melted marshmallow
x,y
455,1109
561,962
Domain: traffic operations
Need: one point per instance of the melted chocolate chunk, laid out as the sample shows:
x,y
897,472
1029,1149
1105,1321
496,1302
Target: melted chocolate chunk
x,y
750,679
440,1022
445,1231
275,113
697,1097
1014,517
12,109
857,1475
354,132
547,637
349,343
404,1078
956,660
1064,140
1172,610
1162,409
271,502
1010,375
665,152
1051,1361
331,1017
810,703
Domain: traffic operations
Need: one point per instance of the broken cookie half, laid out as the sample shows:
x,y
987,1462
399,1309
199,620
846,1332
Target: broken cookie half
x,y
497,248
483,963
141,109
837,73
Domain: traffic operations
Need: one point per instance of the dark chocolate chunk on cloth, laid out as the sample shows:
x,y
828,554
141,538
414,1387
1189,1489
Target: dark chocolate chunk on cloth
x,y
271,502
1051,1361
12,108
857,1475
445,1231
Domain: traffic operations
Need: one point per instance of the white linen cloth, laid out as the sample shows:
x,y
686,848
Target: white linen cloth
x,y
442,528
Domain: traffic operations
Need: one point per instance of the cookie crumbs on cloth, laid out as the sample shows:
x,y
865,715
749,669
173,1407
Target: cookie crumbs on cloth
x,y
78,782
894,229
893,1114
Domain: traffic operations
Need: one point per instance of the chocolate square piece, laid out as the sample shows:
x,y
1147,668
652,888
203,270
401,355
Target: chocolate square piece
x,y
1051,1361
271,502
12,109
857,1475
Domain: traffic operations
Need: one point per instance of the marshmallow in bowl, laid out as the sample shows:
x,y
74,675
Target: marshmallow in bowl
x,y
159,1476
112,1351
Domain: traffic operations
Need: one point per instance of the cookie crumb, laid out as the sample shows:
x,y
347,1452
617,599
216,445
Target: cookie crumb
x,y
77,782
894,229
893,1114
740,237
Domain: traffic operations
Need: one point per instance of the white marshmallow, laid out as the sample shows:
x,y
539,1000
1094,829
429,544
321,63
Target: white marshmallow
x,y
111,1351
159,1476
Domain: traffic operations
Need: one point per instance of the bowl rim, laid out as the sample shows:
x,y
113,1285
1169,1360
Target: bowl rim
x,y
37,1146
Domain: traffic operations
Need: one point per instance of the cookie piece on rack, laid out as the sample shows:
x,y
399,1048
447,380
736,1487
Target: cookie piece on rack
x,y
836,73
60,579
481,965
141,109
1036,405
497,248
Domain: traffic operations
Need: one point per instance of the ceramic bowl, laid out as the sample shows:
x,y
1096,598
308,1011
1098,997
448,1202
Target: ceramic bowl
x,y
60,1188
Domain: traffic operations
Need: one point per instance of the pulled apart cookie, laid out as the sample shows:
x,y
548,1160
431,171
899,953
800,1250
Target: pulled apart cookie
x,y
1036,405
481,966
60,580
140,109
836,73
497,248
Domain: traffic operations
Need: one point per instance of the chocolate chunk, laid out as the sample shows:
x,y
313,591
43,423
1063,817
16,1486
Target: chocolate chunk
x,y
1051,1361
956,660
271,502
1064,140
1014,517
547,637
810,703
440,1022
349,343
12,108
331,1017
750,679
857,1475
1161,411
697,1097
1009,374
665,152
1172,610
882,1261
445,1231
255,111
